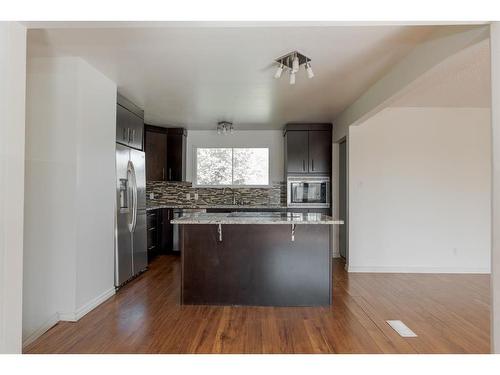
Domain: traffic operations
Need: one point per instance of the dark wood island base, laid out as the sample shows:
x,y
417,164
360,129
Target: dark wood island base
x,y
256,264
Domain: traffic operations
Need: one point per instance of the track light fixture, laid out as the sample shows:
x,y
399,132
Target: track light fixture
x,y
292,62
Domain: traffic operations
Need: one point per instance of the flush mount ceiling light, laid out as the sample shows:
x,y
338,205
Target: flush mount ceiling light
x,y
225,127
292,63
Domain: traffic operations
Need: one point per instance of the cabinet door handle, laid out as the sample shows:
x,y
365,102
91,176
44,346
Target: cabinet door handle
x,y
312,164
133,135
163,174
170,174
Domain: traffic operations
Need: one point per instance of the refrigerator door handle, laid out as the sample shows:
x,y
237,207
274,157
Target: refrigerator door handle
x,y
133,185
135,200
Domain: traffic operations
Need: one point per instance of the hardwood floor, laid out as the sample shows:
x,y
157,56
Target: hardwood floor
x,y
449,313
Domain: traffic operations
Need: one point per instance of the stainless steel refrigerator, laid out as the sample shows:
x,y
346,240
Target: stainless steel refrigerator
x,y
131,239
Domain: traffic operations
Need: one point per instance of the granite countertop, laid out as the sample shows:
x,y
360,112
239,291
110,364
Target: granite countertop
x,y
153,206
255,218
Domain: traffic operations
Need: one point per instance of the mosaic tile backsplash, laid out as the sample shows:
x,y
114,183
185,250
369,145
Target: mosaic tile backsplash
x,y
175,193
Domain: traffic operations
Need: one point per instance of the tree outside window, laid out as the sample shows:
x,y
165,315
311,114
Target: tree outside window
x,y
232,166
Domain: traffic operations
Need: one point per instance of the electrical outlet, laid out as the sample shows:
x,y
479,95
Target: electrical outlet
x,y
195,196
188,196
151,195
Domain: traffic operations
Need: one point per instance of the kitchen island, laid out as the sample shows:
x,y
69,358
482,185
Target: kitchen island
x,y
260,259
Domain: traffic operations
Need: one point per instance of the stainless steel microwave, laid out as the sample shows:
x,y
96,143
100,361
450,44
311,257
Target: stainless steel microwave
x,y
308,192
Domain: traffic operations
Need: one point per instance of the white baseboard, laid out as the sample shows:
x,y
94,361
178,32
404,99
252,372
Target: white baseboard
x,y
91,305
88,307
69,316
51,322
417,269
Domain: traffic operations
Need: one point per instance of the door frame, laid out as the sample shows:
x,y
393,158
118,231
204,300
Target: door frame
x,y
337,193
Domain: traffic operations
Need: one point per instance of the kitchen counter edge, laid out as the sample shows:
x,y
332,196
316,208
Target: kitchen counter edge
x,y
309,219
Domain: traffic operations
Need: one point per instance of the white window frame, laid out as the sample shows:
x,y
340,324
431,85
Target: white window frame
x,y
195,169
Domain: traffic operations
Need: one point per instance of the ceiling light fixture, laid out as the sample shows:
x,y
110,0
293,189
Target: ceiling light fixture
x,y
279,71
309,70
225,127
292,62
295,64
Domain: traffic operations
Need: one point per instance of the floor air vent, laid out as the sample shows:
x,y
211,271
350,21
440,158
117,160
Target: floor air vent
x,y
401,328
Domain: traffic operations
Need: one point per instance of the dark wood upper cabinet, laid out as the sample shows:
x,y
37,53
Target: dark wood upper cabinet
x,y
320,151
308,149
296,151
176,155
155,147
129,129
165,150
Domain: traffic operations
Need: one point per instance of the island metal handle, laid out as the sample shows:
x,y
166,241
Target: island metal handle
x,y
219,232
293,232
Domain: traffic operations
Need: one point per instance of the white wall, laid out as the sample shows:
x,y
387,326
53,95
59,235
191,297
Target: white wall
x,y
96,179
70,179
12,122
419,191
240,138
495,217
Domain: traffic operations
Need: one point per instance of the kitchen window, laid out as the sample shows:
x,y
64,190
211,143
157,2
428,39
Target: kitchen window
x,y
224,166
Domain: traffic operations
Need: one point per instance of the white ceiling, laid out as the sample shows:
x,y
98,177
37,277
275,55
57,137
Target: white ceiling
x,y
196,76
462,80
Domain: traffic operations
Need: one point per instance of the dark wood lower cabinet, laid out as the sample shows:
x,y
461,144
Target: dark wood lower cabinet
x,y
166,240
159,232
256,265
153,234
